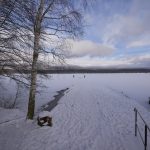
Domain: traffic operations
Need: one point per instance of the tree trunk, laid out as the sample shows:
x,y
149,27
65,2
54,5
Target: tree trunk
x,y
37,31
31,103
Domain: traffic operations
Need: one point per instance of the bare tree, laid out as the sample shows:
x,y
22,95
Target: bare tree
x,y
15,52
25,27
53,18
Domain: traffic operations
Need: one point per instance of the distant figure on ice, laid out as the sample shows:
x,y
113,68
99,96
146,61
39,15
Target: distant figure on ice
x,y
84,76
73,75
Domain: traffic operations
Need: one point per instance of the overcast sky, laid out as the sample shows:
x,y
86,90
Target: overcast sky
x,y
118,34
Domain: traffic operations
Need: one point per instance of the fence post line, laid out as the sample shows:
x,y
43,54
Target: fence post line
x,y
135,121
144,139
145,144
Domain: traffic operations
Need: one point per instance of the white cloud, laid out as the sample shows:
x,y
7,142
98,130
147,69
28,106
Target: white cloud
x,y
139,43
129,27
125,29
88,48
128,61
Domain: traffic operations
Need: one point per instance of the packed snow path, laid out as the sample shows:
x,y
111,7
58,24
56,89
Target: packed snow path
x,y
91,116
88,118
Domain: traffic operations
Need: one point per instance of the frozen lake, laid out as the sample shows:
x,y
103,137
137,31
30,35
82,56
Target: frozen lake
x,y
135,86
95,113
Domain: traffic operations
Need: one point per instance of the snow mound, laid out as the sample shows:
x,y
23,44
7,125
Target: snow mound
x,y
44,114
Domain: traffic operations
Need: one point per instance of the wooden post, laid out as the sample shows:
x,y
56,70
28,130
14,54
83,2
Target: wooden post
x,y
145,144
135,121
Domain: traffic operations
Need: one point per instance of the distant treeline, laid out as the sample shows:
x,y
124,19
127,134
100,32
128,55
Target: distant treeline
x,y
69,71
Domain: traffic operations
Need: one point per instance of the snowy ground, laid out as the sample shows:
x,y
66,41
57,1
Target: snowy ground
x,y
96,113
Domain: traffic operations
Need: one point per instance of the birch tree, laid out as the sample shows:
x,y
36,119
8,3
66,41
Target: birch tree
x,y
57,18
28,24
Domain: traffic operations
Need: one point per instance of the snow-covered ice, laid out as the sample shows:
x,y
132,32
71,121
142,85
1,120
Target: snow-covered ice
x,y
96,113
